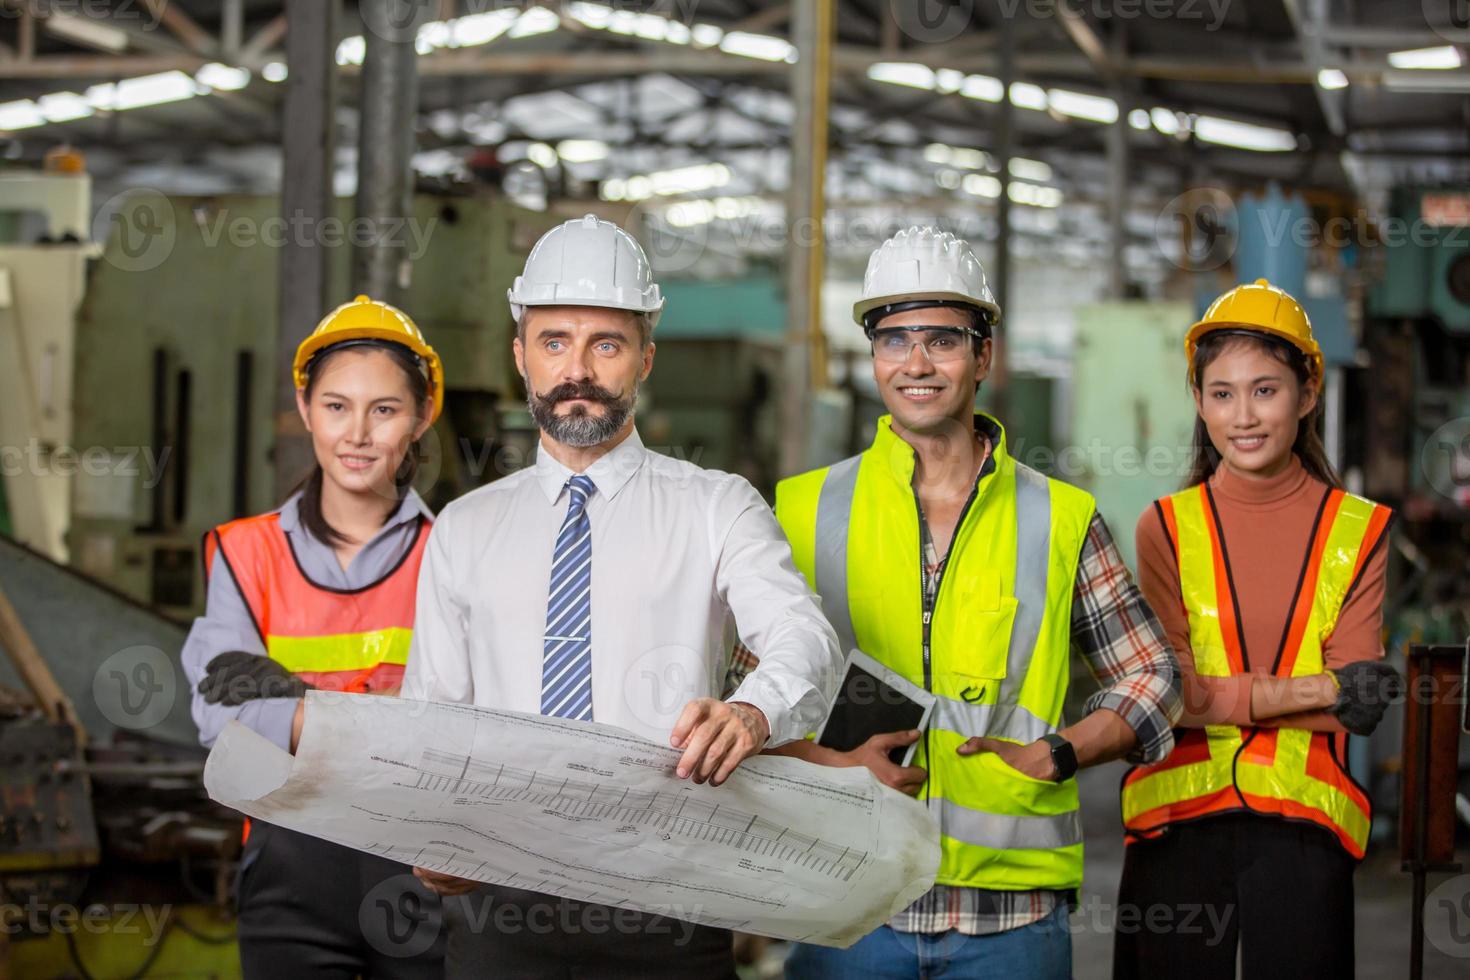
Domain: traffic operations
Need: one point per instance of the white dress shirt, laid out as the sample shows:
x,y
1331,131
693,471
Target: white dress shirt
x,y
677,551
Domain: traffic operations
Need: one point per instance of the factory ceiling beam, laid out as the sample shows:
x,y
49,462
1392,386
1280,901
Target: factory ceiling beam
x,y
183,27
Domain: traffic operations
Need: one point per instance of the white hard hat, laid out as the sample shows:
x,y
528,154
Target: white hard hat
x,y
587,262
924,264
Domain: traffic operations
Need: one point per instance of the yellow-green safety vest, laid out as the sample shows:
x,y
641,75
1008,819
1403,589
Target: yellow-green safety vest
x,y
999,640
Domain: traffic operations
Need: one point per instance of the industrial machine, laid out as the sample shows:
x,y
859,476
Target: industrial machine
x,y
176,364
113,862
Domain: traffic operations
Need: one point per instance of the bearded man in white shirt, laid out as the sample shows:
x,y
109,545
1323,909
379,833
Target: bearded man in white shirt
x,y
601,584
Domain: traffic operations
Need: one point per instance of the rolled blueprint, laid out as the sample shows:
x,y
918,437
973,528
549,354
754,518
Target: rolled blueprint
x,y
589,812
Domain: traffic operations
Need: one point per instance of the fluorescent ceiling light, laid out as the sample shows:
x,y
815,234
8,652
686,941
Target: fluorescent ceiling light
x,y
351,50
1030,169
761,46
623,22
20,115
1138,119
677,33
594,15
1036,197
1331,79
949,80
475,29
983,87
59,107
1080,105
86,31
706,35
902,73
541,155
274,71
222,77
581,151
959,156
1165,121
687,214
981,185
1245,136
145,90
683,180
1028,96
536,20
1443,57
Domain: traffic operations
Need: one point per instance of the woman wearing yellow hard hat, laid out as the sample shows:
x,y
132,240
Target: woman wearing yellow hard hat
x,y
1269,579
320,594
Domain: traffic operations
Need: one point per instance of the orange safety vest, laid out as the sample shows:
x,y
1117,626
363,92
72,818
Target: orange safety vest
x,y
334,639
1289,773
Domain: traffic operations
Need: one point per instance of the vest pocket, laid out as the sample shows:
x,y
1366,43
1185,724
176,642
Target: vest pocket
x,y
974,642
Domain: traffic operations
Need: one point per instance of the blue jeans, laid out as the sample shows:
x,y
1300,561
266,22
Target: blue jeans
x,y
1040,951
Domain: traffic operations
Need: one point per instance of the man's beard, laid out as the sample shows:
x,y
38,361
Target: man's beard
x,y
580,428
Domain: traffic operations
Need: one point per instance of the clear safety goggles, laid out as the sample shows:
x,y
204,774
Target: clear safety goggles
x,y
941,344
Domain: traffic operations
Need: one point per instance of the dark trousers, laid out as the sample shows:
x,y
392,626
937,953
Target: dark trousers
x,y
313,909
509,934
1282,889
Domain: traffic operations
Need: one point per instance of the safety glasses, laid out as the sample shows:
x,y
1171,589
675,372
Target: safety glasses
x,y
941,344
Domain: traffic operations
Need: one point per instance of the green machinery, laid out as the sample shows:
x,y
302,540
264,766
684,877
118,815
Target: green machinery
x,y
1131,427
176,361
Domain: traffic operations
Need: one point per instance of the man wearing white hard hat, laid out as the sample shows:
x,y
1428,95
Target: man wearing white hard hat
x,y
602,584
940,555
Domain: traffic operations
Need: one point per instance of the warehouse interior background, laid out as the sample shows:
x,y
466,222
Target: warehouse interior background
x,y
187,185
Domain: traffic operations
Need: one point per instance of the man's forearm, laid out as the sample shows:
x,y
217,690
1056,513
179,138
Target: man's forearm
x,y
1100,737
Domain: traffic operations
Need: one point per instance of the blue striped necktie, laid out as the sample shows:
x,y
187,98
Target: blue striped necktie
x,y
566,666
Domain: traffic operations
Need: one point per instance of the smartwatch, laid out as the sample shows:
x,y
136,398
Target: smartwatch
x,y
1063,756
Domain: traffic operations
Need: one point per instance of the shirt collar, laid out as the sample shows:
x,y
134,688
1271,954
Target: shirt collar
x,y
411,508
609,474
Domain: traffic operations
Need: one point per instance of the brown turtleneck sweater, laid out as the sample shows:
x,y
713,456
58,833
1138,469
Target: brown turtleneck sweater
x,y
1266,526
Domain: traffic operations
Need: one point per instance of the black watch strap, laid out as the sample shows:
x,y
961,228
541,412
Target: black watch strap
x,y
1063,756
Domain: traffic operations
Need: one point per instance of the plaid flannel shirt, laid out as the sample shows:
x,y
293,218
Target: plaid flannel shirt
x,y
1124,646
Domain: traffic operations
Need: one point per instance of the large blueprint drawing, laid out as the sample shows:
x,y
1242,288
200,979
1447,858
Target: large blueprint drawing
x,y
784,848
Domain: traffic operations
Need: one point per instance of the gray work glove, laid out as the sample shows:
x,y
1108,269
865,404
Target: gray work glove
x,y
1368,687
234,677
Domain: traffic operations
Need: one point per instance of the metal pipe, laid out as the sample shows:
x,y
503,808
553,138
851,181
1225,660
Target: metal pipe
x,y
805,366
306,199
389,102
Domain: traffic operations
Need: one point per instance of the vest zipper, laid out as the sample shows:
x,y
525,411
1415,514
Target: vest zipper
x,y
938,586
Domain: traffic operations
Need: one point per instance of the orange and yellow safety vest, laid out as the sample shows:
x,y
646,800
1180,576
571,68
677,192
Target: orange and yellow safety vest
x,y
1290,773
334,639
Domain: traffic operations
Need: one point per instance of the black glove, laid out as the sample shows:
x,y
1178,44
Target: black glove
x,y
234,677
1367,688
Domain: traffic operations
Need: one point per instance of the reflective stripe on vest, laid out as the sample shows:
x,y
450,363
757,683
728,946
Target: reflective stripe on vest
x,y
1000,640
353,639
1286,772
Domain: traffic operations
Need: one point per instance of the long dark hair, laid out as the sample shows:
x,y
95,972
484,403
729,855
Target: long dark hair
x,y
1308,444
310,506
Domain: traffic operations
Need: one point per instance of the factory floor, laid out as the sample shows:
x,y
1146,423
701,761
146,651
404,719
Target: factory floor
x,y
1383,898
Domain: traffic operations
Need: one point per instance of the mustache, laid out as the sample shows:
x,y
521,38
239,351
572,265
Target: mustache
x,y
586,390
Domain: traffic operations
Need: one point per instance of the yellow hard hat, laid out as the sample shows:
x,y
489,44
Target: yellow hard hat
x,y
1262,308
368,319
